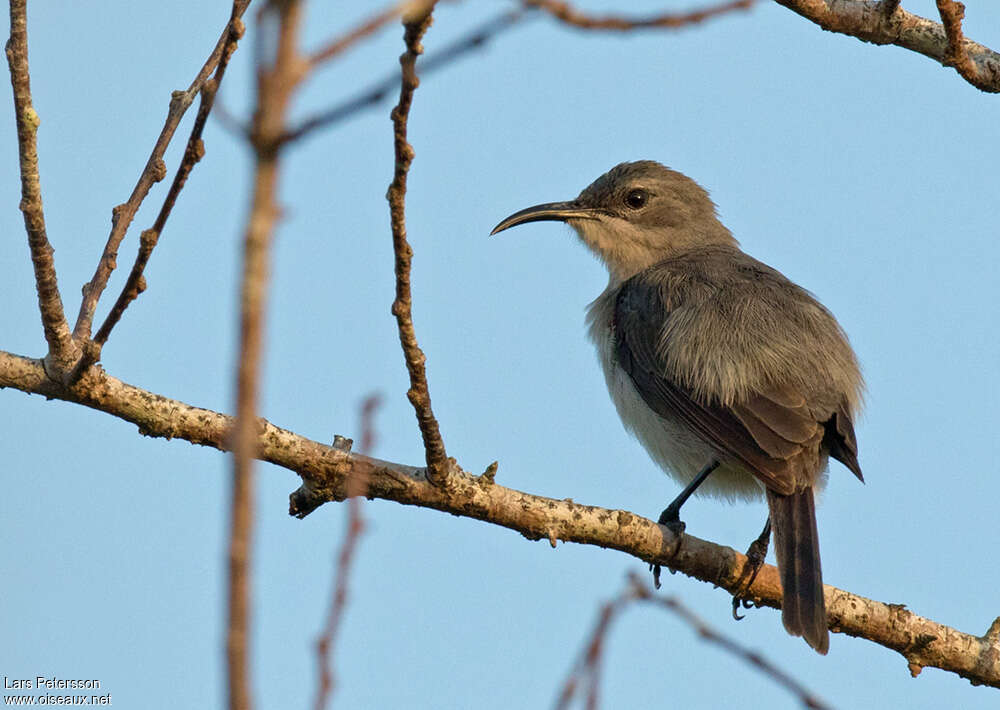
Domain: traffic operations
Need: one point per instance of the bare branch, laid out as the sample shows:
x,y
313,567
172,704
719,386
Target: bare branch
x,y
952,14
369,406
238,606
587,670
437,459
193,152
369,27
889,7
565,12
154,171
869,21
355,527
63,352
474,40
707,633
326,474
277,77
371,96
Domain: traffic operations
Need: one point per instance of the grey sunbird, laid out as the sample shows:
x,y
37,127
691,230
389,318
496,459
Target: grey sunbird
x,y
736,381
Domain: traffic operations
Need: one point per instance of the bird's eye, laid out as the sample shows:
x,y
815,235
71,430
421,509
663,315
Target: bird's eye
x,y
636,198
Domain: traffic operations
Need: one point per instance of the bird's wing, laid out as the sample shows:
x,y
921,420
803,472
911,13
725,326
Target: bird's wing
x,y
841,442
771,431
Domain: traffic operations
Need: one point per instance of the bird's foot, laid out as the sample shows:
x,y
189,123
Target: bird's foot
x,y
670,518
756,554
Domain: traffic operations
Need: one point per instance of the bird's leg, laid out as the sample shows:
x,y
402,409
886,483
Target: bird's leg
x,y
755,559
671,515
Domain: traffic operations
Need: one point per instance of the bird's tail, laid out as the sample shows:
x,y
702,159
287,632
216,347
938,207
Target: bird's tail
x,y
796,544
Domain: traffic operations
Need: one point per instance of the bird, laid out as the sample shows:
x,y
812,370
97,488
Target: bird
x,y
736,381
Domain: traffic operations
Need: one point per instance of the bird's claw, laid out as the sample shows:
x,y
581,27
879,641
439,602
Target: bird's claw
x,y
756,554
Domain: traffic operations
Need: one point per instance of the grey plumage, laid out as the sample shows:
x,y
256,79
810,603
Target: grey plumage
x,y
710,355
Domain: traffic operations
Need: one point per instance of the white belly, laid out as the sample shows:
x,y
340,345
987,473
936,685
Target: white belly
x,y
670,443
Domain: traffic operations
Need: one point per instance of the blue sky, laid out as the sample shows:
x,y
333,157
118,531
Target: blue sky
x,y
866,174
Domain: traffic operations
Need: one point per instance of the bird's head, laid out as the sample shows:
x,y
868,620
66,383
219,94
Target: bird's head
x,y
635,215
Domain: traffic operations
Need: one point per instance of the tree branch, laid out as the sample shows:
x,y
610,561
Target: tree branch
x,y
355,527
326,474
337,46
419,395
193,153
155,170
379,90
952,13
473,40
565,12
63,352
277,77
587,670
884,22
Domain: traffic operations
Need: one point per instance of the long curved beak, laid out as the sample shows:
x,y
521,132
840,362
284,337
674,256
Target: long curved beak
x,y
548,212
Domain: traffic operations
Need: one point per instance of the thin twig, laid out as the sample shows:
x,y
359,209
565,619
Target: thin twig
x,y
587,668
369,406
378,91
326,473
375,93
154,171
193,152
707,633
63,352
867,20
418,394
358,486
229,122
276,81
565,12
474,40
952,13
369,27
587,671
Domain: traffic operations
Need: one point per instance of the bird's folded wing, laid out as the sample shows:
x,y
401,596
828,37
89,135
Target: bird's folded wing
x,y
842,442
772,432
